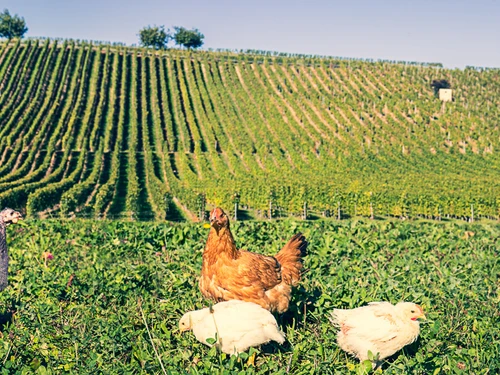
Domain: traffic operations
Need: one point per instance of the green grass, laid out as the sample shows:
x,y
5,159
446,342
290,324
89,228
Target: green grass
x,y
85,311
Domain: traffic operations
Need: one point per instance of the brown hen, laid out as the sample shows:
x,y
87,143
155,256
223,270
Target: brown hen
x,y
228,273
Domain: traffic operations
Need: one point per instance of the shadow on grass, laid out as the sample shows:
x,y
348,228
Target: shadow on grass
x,y
302,303
5,317
244,215
314,216
409,351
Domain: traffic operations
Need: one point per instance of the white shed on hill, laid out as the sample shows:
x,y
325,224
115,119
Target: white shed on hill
x,y
445,95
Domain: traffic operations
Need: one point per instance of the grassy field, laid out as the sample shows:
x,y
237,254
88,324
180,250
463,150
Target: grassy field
x,y
89,309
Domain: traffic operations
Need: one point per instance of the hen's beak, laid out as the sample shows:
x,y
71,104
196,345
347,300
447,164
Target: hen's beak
x,y
214,219
419,318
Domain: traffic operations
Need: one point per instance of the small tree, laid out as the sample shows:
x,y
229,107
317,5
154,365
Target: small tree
x,y
440,84
188,38
154,36
12,26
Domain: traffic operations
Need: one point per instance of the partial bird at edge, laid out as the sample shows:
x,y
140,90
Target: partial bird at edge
x,y
7,216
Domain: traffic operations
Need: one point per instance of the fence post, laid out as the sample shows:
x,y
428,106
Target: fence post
x,y
236,201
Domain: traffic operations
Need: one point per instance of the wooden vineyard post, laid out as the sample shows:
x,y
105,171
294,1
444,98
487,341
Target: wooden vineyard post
x,y
338,210
472,213
202,201
236,201
271,197
304,211
371,207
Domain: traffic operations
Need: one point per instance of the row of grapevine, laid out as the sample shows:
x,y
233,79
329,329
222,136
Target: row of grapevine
x,y
107,189
156,189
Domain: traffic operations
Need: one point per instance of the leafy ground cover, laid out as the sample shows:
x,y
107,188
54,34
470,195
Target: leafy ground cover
x,y
110,299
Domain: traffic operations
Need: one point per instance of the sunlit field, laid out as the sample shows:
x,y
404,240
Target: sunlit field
x,y
87,307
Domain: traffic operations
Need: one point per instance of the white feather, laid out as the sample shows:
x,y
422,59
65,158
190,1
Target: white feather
x,y
238,325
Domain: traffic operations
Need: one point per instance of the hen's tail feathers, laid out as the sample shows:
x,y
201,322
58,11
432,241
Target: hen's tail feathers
x,y
290,259
274,333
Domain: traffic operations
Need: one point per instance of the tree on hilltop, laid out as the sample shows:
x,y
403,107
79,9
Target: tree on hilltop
x,y
154,36
12,26
440,84
188,38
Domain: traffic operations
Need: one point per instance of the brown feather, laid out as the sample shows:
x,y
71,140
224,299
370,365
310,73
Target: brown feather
x,y
290,258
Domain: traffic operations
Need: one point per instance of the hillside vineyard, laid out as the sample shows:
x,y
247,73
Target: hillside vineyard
x,y
109,131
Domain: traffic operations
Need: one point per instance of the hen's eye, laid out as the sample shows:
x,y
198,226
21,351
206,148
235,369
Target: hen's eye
x,y
412,311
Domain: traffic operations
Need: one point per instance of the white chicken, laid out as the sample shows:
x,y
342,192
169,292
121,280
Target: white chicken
x,y
379,327
236,326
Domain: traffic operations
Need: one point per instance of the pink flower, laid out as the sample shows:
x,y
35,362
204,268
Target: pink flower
x,y
47,256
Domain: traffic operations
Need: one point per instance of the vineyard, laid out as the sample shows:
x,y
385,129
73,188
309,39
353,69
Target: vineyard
x,y
109,131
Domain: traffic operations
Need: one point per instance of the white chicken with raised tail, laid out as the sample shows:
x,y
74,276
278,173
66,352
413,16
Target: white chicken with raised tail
x,y
235,325
380,327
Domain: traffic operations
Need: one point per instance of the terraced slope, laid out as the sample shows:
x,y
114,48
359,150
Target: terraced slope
x,y
120,132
